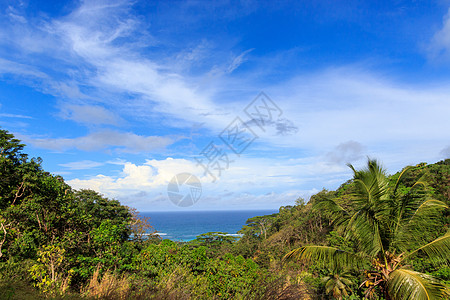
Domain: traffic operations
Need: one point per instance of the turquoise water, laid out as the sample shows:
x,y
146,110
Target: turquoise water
x,y
186,225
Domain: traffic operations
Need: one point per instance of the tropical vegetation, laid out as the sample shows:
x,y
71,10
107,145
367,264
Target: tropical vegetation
x,y
387,228
376,236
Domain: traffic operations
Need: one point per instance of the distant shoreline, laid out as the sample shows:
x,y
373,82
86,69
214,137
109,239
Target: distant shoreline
x,y
187,225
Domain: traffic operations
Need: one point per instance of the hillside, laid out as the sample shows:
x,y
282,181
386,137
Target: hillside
x,y
62,243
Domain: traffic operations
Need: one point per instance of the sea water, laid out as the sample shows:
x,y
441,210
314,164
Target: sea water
x,y
186,225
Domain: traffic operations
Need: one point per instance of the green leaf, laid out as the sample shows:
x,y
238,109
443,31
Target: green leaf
x,y
405,284
429,204
337,212
365,228
437,250
327,256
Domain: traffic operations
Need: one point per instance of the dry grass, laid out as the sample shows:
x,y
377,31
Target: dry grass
x,y
108,286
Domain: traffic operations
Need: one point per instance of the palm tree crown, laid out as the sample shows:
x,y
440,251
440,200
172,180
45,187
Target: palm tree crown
x,y
386,226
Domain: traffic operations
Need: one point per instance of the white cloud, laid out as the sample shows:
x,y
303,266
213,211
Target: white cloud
x,y
89,114
239,60
82,165
440,44
249,182
11,67
15,16
100,140
344,104
97,46
150,178
14,116
91,33
102,35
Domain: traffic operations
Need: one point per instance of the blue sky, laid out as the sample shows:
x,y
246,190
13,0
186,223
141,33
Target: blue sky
x,y
120,96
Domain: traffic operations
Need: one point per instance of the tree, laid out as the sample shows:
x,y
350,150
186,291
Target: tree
x,y
48,272
35,206
215,238
16,171
38,209
338,284
140,226
257,225
300,202
384,224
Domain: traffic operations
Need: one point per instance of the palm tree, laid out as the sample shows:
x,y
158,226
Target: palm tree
x,y
338,284
386,226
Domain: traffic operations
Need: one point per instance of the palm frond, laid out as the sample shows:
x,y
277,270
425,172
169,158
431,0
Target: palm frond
x,y
431,203
418,223
411,215
406,284
326,256
338,214
420,182
372,198
365,229
364,189
438,250
352,167
400,177
372,183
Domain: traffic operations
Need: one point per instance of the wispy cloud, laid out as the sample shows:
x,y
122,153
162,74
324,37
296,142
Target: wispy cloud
x,y
11,67
348,103
92,33
106,67
82,165
99,45
14,116
238,60
103,140
15,15
89,114
440,43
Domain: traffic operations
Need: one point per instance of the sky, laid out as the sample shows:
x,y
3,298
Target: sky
x,y
262,101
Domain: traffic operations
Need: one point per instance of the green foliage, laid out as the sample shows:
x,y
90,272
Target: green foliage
x,y
39,210
227,277
338,285
338,241
48,272
378,220
214,240
232,277
408,284
56,242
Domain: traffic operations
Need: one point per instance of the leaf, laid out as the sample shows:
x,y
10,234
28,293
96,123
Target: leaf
x,y
327,256
372,182
406,284
437,250
338,214
432,203
400,177
365,229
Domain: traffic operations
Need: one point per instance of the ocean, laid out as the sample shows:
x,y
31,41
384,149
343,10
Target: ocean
x,y
186,225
